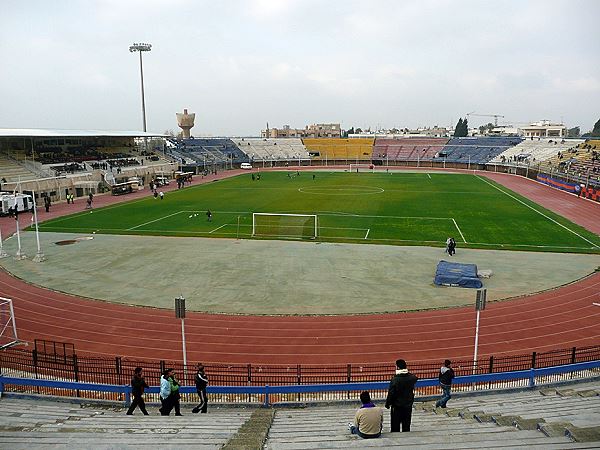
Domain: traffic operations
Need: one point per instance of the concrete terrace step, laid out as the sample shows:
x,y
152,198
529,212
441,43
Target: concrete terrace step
x,y
317,428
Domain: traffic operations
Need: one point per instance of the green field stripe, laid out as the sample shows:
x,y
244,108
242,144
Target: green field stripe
x,y
537,211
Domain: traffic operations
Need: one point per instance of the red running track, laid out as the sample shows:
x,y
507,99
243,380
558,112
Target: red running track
x,y
564,317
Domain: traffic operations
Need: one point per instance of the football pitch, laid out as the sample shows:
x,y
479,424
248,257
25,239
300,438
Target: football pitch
x,y
385,208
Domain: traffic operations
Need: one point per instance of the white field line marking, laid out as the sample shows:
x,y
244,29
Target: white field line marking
x,y
155,220
361,238
342,228
218,228
539,212
461,235
367,235
328,213
429,176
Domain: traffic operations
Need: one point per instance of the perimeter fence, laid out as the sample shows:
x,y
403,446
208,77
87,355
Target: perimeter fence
x,y
63,364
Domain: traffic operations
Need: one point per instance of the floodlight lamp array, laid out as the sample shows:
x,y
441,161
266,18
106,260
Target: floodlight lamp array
x,y
140,47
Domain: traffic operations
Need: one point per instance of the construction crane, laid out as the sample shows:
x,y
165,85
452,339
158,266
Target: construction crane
x,y
495,116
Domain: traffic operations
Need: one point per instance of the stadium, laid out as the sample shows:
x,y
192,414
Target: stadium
x,y
297,266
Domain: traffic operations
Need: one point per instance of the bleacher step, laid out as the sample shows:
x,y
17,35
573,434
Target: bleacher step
x,y
528,424
590,434
554,429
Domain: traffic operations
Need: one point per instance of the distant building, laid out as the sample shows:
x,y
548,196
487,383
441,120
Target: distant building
x,y
505,130
285,131
329,130
544,128
428,132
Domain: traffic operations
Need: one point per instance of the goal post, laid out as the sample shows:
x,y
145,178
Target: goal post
x,y
8,326
298,226
362,168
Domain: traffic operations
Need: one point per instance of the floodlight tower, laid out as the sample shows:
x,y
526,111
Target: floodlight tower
x,y
141,47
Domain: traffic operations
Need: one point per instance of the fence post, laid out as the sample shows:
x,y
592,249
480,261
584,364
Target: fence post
x,y
266,395
533,356
76,370
118,369
299,377
249,379
574,355
127,396
34,357
491,369
532,377
348,378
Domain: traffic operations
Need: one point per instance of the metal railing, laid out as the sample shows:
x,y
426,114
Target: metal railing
x,y
67,366
268,395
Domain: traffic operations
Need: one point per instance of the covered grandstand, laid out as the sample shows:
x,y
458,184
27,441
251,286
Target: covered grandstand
x,y
207,152
56,162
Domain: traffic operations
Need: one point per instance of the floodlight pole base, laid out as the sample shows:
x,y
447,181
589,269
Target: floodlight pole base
x,y
20,256
39,257
3,254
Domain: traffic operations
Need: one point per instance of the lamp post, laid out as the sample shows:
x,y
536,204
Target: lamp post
x,y
180,314
479,306
39,256
3,254
141,47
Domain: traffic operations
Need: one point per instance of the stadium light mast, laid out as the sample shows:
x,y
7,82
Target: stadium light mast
x,y
141,47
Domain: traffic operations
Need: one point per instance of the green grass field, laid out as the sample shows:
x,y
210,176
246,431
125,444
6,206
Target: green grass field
x,y
398,208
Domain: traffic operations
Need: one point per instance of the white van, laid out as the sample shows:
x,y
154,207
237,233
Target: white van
x,y
23,202
246,166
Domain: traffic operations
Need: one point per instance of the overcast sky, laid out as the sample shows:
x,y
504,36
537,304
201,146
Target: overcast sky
x,y
240,63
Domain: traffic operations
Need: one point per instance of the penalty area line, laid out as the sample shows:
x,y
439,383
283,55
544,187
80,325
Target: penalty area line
x,y
461,235
367,235
216,229
155,220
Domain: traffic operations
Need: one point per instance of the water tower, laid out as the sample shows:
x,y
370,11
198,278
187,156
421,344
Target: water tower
x,y
185,122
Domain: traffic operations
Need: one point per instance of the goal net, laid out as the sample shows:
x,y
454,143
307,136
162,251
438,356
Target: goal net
x,y
299,226
8,327
362,168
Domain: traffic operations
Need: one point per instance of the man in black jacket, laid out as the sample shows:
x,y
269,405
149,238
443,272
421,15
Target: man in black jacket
x,y
138,384
401,397
446,376
201,382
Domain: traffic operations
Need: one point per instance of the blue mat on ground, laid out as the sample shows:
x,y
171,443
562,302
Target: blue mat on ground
x,y
457,274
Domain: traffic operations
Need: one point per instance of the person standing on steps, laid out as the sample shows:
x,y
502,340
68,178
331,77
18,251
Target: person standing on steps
x,y
138,384
174,396
165,393
201,382
446,376
401,397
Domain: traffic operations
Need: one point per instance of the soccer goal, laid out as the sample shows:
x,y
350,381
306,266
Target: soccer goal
x,y
8,327
298,226
362,168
